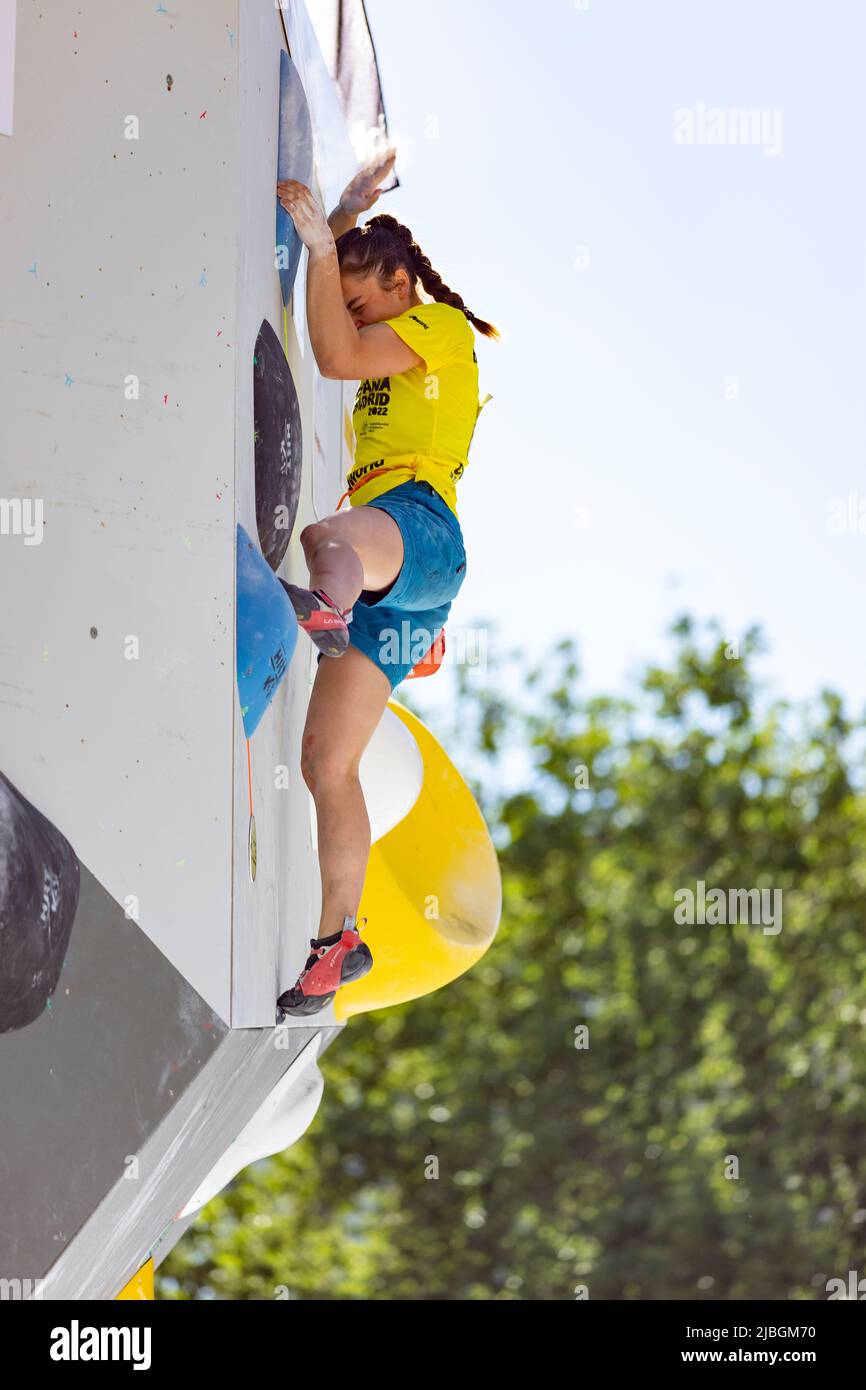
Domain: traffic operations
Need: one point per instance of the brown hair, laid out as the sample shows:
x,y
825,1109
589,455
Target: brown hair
x,y
382,245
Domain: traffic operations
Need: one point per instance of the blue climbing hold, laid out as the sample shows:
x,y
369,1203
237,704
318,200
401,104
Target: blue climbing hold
x,y
294,161
267,632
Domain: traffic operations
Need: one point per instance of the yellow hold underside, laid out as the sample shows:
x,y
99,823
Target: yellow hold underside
x,y
140,1285
433,893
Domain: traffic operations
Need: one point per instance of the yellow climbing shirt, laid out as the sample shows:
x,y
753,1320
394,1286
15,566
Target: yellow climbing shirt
x,y
418,425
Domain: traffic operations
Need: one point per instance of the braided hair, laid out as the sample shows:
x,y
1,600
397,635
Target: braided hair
x,y
382,246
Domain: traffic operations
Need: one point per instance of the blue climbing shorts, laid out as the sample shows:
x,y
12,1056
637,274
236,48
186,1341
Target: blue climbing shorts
x,y
395,627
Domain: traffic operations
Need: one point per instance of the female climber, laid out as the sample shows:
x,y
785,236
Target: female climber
x,y
384,572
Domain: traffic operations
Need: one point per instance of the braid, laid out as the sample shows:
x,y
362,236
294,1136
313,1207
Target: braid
x,y
383,243
435,285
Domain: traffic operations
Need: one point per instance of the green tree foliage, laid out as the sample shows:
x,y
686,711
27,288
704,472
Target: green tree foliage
x,y
709,1049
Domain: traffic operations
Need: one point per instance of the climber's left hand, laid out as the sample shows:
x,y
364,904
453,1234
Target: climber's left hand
x,y
309,219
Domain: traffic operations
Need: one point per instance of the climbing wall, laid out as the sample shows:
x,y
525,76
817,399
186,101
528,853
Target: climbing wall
x,y
118,357
139,272
166,435
139,268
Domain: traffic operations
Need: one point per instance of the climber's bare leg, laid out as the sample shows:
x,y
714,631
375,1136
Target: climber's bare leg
x,y
349,696
361,548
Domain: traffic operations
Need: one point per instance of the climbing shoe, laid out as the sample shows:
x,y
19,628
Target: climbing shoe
x,y
334,961
325,623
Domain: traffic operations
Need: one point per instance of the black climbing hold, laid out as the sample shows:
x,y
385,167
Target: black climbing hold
x,y
278,446
39,885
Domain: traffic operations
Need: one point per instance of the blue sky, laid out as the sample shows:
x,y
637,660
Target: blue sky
x,y
679,394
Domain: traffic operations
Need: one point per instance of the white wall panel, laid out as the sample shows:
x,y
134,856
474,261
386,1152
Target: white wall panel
x,y
119,261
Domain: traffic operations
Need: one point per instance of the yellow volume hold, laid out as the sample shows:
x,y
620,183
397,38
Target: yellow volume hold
x,y
433,892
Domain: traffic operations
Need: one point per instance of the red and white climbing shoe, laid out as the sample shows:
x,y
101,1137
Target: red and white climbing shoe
x,y
326,624
334,961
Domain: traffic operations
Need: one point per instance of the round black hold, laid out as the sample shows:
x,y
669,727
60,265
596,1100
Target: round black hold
x,y
39,890
278,446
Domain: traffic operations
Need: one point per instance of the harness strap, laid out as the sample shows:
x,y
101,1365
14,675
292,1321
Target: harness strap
x,y
389,468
